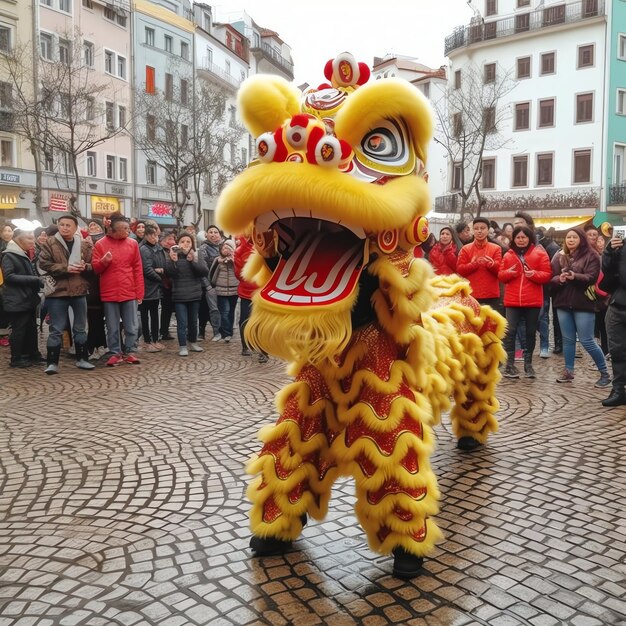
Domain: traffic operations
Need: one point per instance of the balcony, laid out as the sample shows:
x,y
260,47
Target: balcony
x,y
524,22
617,194
448,204
266,51
217,72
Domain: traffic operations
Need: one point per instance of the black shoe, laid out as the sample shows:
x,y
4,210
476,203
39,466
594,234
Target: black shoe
x,y
245,352
269,546
21,363
468,443
617,398
529,371
406,565
510,371
263,358
557,350
167,338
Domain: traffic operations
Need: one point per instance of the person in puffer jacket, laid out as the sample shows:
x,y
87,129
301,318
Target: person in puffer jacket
x,y
117,260
222,276
443,255
525,268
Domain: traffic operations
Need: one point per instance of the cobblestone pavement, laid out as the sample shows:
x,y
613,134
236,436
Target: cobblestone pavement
x,y
122,502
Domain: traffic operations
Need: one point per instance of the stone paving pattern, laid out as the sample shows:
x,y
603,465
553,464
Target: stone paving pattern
x,y
122,502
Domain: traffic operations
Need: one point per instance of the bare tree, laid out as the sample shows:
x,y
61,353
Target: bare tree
x,y
185,131
57,108
469,117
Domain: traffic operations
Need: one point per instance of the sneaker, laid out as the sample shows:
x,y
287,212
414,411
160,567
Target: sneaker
x,y
510,371
565,377
201,337
604,380
529,371
84,365
544,354
150,347
227,339
183,351
217,337
114,360
131,359
194,347
53,368
519,355
4,341
263,358
95,355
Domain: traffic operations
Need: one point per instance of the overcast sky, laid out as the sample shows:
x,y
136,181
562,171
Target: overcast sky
x,y
318,30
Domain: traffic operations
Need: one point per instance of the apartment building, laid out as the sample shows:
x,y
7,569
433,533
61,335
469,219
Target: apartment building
x,y
563,128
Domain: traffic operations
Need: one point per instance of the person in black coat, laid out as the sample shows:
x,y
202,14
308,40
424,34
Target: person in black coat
x,y
614,269
21,298
153,260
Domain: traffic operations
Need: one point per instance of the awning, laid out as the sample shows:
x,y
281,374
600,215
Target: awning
x,y
612,218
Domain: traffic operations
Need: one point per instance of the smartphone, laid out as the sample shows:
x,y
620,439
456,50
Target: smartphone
x,y
175,248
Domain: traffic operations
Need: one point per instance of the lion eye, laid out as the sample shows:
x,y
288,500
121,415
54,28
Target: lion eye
x,y
381,143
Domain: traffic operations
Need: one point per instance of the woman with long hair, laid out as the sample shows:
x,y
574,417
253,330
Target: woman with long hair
x,y
524,270
222,276
443,255
575,271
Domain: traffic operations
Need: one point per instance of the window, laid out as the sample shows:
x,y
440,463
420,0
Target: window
x,y
121,67
491,7
168,43
206,21
585,56
554,15
244,156
618,165
109,60
584,108
582,166
123,169
489,73
209,56
522,116
169,87
48,159
590,8
546,113
110,167
88,4
45,43
64,51
65,106
621,47
65,6
149,40
522,22
523,67
489,174
227,66
184,92
151,127
489,119
184,50
121,20
457,79
90,109
109,14
547,63
523,3
520,171
457,176
149,79
6,95
544,169
184,134
457,124
47,3
91,163
88,56
151,173
5,39
109,109
6,153
621,102
232,115
170,132
121,116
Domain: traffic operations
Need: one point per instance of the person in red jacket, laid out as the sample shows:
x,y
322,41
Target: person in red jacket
x,y
443,255
524,269
116,258
479,262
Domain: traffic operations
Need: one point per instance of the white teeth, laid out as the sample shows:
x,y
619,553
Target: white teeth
x,y
264,222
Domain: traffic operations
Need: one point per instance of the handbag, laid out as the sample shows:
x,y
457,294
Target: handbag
x,y
49,284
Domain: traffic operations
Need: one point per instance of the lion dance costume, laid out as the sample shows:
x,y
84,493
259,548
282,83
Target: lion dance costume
x,y
377,344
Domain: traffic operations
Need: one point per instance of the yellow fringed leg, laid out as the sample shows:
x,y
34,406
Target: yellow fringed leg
x,y
295,467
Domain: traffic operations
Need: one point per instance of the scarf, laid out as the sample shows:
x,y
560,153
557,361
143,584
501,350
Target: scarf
x,y
75,254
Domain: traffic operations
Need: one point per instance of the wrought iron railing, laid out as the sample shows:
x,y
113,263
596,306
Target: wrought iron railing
x,y
216,70
543,18
447,204
617,194
275,57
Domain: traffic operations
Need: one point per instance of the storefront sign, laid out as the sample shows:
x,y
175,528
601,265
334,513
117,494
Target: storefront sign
x,y
59,201
8,200
9,178
104,205
160,211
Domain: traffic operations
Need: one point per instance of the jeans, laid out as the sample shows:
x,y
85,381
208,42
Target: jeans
x,y
209,311
167,306
227,306
126,310
58,311
514,315
581,323
149,310
187,321
23,339
544,324
245,306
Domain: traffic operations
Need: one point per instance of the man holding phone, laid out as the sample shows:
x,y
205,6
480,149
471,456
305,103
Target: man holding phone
x,y
614,267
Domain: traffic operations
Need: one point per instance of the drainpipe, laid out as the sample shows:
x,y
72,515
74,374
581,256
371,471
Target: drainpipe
x,y
36,154
604,162
133,152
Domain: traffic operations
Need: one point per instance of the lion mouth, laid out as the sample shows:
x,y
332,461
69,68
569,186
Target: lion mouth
x,y
320,260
